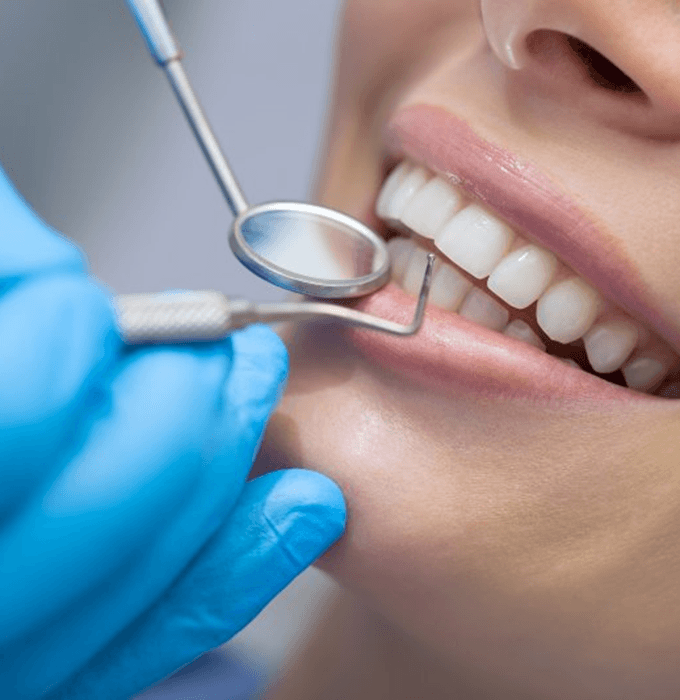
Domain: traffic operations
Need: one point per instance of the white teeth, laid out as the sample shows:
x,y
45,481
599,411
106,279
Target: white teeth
x,y
522,331
523,275
411,183
449,287
414,272
482,309
431,207
609,344
397,176
644,373
400,250
567,310
475,240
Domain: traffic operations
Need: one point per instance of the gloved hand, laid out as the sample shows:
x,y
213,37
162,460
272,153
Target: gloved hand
x,y
129,541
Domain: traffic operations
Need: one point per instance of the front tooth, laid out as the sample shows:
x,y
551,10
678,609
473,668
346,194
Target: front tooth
x,y
431,207
475,240
449,287
414,272
522,331
391,185
567,310
400,250
609,344
523,275
481,308
644,373
408,187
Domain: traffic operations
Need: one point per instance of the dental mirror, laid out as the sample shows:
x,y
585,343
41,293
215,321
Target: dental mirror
x,y
310,249
304,248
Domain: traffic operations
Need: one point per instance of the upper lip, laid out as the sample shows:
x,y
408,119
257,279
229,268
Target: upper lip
x,y
529,201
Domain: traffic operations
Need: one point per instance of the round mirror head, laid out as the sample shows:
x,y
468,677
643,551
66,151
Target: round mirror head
x,y
311,250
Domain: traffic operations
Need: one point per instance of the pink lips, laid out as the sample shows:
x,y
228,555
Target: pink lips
x,y
451,353
528,200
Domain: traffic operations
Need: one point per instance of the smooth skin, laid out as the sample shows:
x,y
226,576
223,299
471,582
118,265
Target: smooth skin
x,y
130,542
495,548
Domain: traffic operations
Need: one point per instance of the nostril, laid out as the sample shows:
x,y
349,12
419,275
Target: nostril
x,y
601,70
554,47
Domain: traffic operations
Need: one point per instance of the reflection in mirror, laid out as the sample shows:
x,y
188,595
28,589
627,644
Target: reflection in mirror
x,y
309,244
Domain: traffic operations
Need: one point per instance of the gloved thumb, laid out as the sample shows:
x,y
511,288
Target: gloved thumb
x,y
281,524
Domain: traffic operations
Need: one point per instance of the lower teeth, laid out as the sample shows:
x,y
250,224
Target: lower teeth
x,y
453,291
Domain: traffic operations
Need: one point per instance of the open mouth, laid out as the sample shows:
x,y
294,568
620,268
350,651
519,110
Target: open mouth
x,y
496,277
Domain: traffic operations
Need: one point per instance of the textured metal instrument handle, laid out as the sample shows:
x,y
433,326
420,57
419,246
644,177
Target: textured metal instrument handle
x,y
180,316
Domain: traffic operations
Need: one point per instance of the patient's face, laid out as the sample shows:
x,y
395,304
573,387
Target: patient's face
x,y
513,471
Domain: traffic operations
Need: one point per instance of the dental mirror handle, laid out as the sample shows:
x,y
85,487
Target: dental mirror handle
x,y
208,316
166,51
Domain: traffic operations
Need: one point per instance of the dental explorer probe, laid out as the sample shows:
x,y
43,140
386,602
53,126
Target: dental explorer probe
x,y
285,243
205,316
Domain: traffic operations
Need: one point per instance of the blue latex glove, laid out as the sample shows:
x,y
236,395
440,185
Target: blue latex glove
x,y
129,540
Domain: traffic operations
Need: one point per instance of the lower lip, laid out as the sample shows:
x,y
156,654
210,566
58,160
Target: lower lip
x,y
451,354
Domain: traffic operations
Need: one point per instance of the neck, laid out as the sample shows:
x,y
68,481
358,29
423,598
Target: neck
x,y
356,655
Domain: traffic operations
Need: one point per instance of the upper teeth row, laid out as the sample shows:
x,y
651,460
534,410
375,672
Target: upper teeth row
x,y
520,273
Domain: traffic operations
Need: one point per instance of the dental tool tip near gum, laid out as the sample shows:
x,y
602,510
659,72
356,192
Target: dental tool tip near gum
x,y
300,247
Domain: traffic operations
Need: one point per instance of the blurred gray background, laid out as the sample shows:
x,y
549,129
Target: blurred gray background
x,y
92,137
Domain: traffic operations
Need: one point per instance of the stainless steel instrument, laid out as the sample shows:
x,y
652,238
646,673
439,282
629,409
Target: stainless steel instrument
x,y
301,247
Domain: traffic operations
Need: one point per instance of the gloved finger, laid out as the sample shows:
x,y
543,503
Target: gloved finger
x,y
139,464
281,524
129,513
27,244
58,340
252,390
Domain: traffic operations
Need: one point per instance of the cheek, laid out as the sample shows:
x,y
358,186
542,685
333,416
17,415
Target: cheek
x,y
384,41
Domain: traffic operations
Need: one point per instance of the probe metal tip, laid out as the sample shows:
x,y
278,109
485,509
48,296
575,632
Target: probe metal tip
x,y
312,311
424,293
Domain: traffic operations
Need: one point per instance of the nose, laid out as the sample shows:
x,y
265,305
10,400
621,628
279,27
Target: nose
x,y
508,24
628,46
